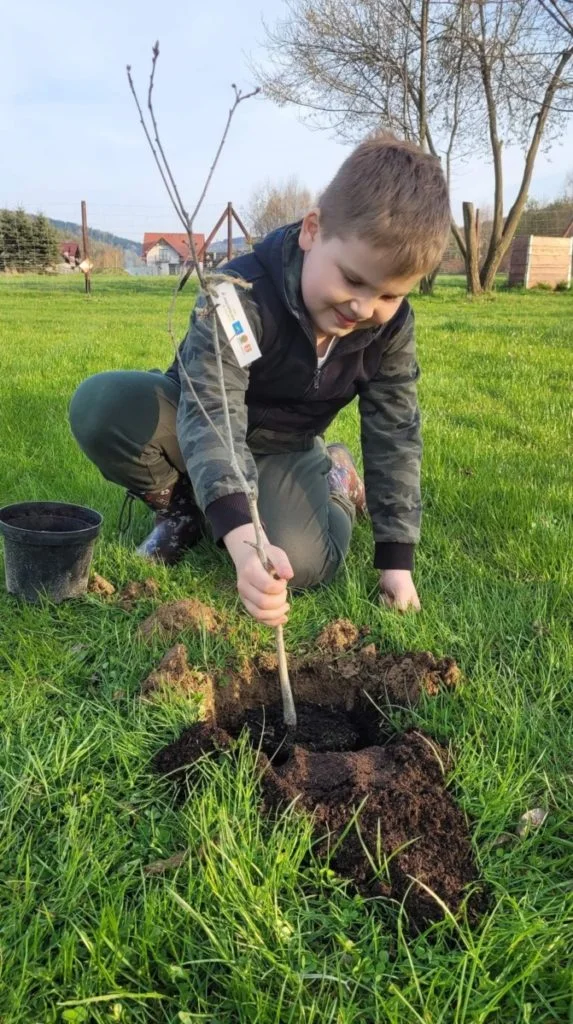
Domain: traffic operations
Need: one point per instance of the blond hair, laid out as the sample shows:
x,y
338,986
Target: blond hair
x,y
391,194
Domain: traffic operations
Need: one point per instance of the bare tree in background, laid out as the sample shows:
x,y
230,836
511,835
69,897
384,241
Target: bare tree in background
x,y
271,205
460,77
569,184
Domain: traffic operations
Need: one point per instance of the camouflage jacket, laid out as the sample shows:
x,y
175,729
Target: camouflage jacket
x,y
283,401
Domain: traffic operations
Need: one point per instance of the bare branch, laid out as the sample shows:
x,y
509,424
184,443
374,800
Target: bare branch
x,y
149,140
239,97
559,17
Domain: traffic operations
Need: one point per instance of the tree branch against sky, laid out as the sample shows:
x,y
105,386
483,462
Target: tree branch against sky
x,y
461,77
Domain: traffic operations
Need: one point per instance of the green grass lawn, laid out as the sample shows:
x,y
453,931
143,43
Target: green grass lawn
x,y
251,928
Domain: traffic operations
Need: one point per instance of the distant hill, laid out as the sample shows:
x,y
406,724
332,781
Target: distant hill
x,y
239,245
75,231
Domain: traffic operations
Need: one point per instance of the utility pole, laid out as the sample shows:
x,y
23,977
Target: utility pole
x,y
85,265
229,231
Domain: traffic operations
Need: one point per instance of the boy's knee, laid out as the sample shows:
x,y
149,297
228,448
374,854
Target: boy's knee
x,y
313,562
93,412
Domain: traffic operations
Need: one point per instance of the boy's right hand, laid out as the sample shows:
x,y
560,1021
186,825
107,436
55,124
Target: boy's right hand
x,y
264,597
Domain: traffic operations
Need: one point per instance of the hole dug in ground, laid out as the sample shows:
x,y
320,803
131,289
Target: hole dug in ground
x,y
346,762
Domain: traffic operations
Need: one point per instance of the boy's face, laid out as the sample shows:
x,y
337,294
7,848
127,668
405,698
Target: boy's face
x,y
348,284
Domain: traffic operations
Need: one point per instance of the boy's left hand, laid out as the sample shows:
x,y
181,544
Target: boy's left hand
x,y
398,590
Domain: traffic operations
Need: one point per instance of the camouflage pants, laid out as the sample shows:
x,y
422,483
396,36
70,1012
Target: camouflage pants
x,y
125,422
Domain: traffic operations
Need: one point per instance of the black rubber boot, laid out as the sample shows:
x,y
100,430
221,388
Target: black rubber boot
x,y
178,523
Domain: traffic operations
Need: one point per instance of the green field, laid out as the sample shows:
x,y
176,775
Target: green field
x,y
251,928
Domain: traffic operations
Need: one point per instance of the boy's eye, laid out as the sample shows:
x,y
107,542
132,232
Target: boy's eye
x,y
351,280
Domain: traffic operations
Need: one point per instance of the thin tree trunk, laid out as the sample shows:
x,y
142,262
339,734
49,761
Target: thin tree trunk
x,y
455,229
427,283
472,249
497,250
423,115
496,148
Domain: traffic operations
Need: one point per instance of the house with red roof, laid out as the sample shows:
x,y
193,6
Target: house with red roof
x,y
70,252
167,251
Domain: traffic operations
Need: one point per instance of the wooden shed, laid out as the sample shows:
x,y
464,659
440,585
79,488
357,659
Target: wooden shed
x,y
537,259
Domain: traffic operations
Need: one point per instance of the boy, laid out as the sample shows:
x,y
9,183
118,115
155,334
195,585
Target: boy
x,y
328,309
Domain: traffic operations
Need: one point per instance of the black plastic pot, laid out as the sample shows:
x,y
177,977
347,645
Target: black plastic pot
x,y
48,547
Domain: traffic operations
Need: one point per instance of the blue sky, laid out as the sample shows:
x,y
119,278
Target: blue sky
x,y
70,131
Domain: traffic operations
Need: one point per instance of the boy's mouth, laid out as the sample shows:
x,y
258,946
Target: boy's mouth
x,y
344,321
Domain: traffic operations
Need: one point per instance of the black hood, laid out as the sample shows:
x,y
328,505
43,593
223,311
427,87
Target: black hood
x,y
282,258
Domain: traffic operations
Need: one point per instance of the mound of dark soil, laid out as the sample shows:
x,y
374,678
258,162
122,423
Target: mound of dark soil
x,y
409,841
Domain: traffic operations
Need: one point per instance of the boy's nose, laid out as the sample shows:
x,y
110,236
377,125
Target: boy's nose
x,y
362,309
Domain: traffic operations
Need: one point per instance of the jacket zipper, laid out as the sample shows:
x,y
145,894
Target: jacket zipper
x,y
318,369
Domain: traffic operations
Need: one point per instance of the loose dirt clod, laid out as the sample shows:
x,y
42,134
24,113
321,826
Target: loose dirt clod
x,y
339,635
159,867
100,586
175,675
135,591
169,620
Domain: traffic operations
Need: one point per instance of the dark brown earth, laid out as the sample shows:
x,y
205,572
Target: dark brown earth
x,y
405,808
409,839
360,680
409,842
317,728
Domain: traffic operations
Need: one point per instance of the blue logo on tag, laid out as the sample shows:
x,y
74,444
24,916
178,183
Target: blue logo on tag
x,y
238,327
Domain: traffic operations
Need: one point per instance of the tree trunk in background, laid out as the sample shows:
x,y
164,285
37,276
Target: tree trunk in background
x,y
472,249
427,283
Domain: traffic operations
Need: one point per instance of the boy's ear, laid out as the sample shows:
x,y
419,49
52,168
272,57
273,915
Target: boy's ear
x,y
309,230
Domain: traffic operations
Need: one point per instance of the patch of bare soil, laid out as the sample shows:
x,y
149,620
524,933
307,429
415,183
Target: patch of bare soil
x,y
410,839
137,590
100,586
324,728
359,681
172,618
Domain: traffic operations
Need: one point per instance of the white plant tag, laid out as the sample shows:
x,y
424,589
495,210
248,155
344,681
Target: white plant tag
x,y
235,324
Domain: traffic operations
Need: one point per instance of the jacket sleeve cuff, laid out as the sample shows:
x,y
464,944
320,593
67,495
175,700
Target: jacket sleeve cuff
x,y
390,555
227,513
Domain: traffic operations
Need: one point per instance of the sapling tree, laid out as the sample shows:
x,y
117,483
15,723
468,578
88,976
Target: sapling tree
x,y
209,283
